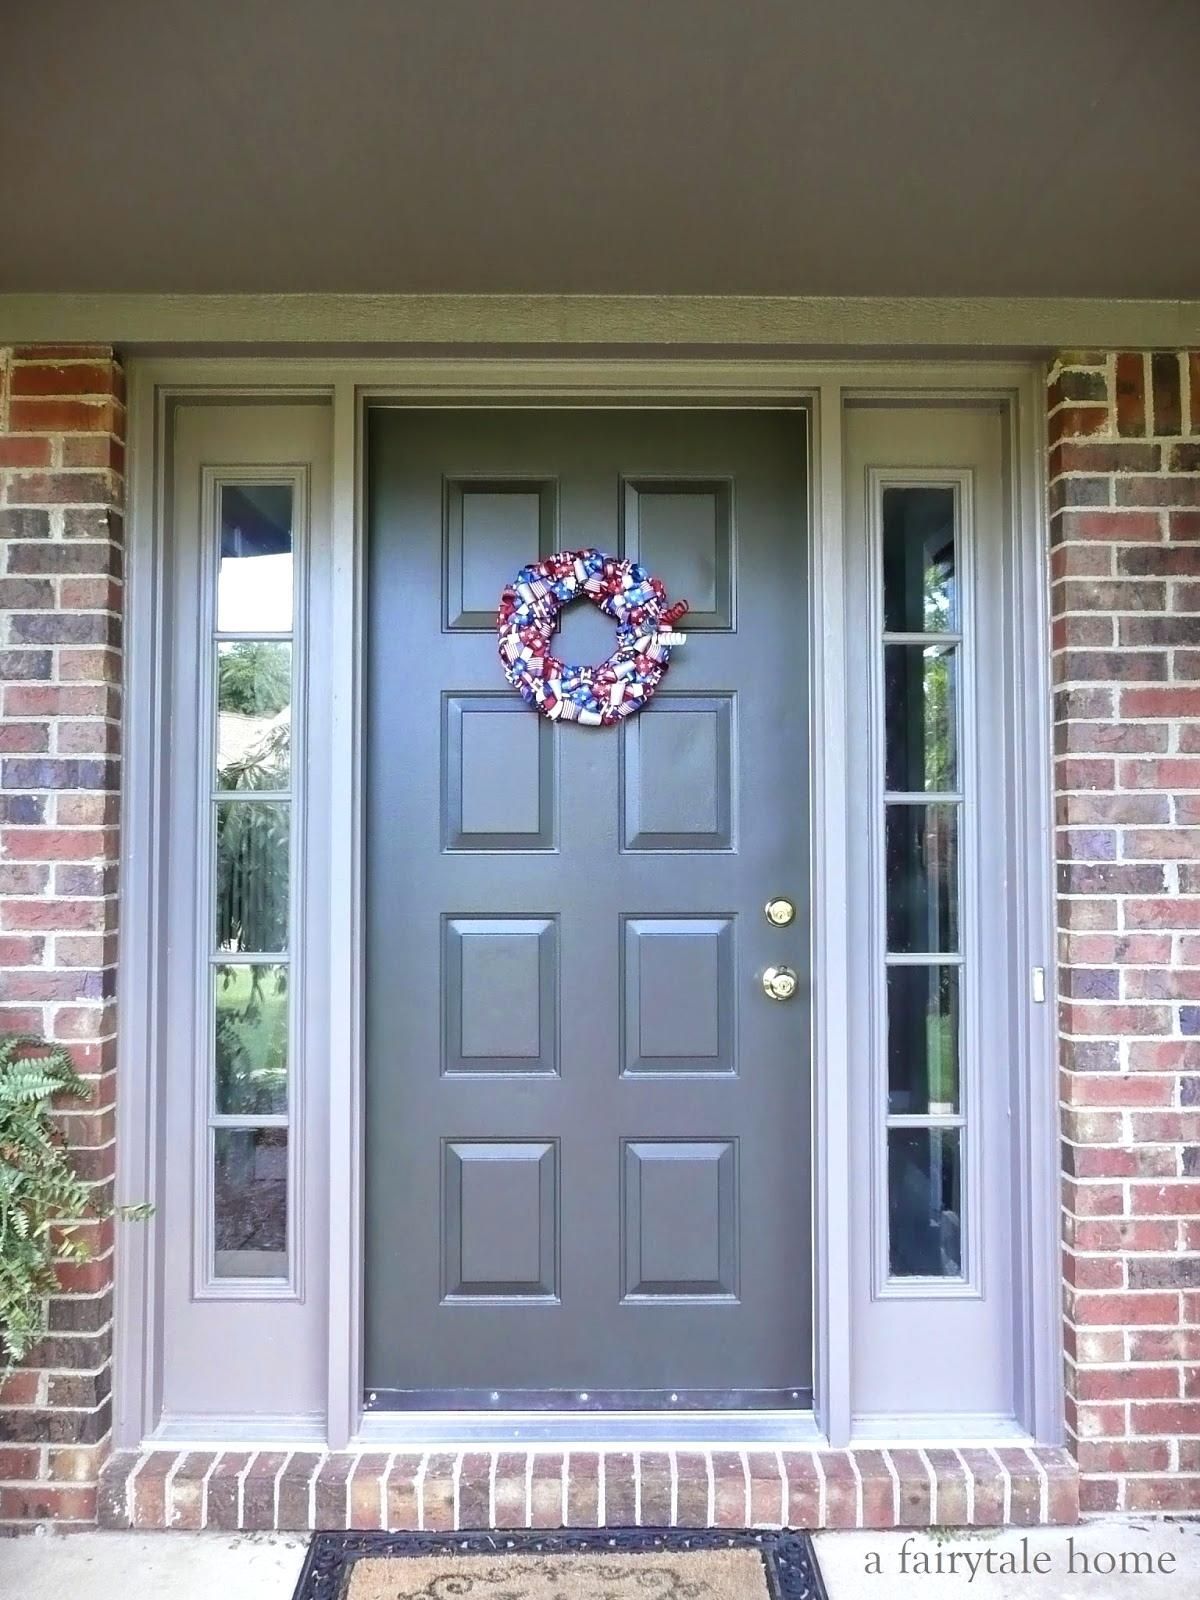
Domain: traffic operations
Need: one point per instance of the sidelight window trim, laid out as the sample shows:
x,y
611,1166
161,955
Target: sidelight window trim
x,y
969,1283
207,1120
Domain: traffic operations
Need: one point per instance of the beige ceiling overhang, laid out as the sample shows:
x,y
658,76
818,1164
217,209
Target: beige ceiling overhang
x,y
819,154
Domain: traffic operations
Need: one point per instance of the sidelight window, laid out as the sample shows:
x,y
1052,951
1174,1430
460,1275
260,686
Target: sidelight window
x,y
248,909
920,769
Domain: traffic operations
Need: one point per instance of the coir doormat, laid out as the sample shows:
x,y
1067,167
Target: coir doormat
x,y
590,1564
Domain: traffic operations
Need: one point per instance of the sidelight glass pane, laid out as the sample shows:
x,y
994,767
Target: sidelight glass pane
x,y
924,1203
252,875
921,846
920,584
254,714
920,717
254,582
250,1202
922,1034
251,1005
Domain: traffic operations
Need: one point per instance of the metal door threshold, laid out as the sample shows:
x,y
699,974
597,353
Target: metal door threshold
x,y
399,1429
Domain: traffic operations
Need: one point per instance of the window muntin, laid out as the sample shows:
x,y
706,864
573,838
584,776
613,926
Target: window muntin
x,y
920,665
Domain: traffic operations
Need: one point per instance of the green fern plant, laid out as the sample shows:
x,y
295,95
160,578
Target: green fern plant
x,y
42,1196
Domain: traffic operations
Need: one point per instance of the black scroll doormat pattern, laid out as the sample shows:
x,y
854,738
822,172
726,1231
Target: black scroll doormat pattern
x,y
573,1564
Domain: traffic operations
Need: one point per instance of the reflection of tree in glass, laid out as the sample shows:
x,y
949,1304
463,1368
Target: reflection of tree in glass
x,y
252,875
939,721
256,677
939,589
254,714
252,1037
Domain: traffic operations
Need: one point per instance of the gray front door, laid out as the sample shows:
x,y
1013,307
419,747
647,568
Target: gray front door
x,y
588,1155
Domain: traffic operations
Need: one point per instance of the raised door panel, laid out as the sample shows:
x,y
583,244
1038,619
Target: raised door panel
x,y
677,778
492,528
499,1220
685,527
500,994
678,988
498,775
680,1216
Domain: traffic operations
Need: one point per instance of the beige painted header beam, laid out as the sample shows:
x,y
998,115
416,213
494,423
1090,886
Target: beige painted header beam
x,y
172,321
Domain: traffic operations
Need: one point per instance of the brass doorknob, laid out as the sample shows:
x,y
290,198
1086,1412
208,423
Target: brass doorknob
x,y
779,983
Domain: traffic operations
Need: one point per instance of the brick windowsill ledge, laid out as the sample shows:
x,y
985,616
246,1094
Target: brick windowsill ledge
x,y
550,1488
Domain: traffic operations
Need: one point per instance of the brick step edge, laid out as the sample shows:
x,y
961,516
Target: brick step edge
x,y
443,1491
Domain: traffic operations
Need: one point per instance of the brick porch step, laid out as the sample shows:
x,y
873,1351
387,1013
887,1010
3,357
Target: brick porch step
x,y
550,1488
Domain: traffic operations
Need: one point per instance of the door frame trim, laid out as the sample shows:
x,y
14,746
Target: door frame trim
x,y
350,385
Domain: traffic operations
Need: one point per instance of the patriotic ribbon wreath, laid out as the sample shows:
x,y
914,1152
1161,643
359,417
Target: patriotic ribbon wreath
x,y
624,591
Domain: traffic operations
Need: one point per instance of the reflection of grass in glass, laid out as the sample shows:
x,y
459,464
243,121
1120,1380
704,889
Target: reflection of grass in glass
x,y
940,1055
252,1032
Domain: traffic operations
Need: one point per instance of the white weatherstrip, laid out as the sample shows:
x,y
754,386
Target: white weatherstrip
x,y
204,1492
132,1479
287,1456
970,1477
1006,1478
1043,1478
858,1489
385,1478
168,1486
822,1506
933,1488
311,1488
347,1507
241,1490
895,1477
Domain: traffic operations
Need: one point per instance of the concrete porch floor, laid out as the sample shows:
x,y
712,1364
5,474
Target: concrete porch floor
x,y
264,1566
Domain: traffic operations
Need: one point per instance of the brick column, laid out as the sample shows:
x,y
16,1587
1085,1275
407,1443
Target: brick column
x,y
1125,574
62,422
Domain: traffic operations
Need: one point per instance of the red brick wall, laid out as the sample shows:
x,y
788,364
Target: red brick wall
x,y
62,424
1125,573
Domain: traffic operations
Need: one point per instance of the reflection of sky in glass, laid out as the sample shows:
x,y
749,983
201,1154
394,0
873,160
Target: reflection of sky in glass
x,y
254,594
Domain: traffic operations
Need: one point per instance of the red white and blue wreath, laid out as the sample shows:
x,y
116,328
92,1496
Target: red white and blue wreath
x,y
624,591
